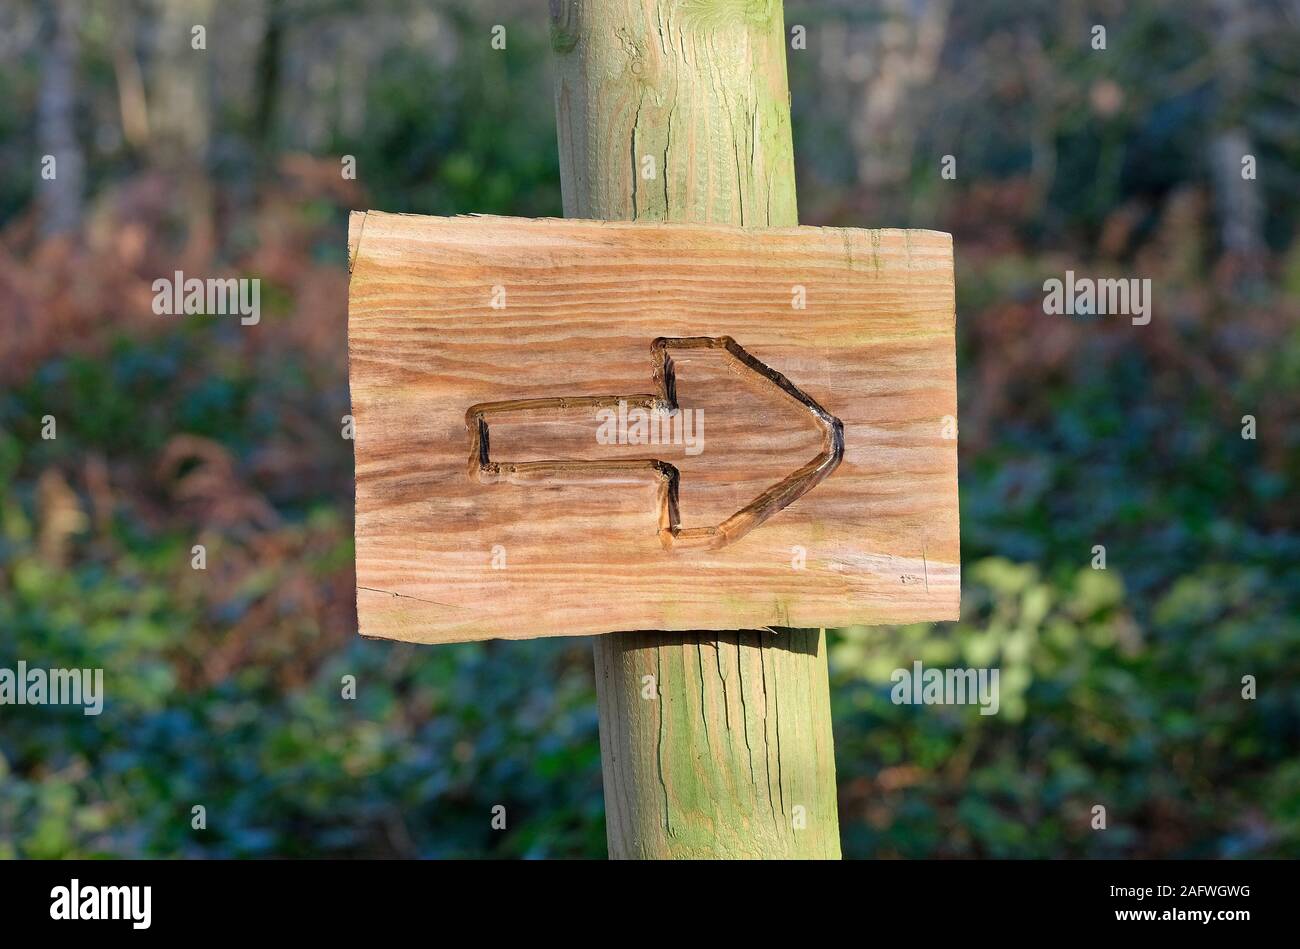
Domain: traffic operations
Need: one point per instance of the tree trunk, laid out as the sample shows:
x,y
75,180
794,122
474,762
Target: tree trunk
x,y
180,110
55,126
712,744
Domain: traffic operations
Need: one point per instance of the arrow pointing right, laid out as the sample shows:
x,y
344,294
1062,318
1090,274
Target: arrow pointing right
x,y
673,536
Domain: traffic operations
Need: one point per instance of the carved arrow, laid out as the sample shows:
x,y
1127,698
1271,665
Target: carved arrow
x,y
486,471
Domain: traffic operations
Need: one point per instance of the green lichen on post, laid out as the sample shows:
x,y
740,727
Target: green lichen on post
x,y
709,15
712,744
564,37
732,754
675,111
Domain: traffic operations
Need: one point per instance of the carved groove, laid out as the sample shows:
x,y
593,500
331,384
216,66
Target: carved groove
x,y
673,536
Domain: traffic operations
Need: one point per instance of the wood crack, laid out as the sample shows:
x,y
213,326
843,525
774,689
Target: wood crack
x,y
407,596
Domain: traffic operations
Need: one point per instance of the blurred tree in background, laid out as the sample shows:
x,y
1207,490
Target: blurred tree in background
x,y
1120,687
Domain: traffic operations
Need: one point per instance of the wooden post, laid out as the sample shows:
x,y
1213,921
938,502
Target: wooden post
x,y
712,744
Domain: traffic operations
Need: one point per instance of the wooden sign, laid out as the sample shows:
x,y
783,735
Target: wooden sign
x,y
576,427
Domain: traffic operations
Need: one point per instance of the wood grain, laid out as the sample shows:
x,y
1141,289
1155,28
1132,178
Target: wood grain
x,y
584,303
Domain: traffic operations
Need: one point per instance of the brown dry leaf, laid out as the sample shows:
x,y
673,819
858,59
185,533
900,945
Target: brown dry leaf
x,y
211,489
59,516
